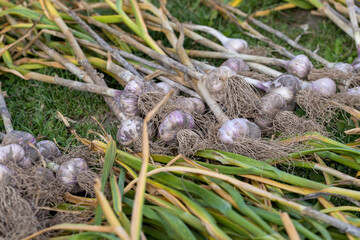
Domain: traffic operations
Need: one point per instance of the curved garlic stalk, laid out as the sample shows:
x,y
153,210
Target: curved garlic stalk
x,y
235,44
173,122
278,99
129,131
236,129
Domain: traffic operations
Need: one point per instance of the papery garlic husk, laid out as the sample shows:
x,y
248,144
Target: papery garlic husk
x,y
135,87
356,65
236,129
216,80
11,153
129,131
19,137
68,171
48,149
299,66
46,174
236,44
286,80
174,122
323,86
236,64
128,104
344,67
192,104
26,162
166,88
353,91
5,176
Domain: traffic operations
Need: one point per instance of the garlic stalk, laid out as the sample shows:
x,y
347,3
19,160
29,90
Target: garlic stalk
x,y
356,32
235,44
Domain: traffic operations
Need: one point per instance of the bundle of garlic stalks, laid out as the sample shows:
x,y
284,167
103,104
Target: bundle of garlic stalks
x,y
172,105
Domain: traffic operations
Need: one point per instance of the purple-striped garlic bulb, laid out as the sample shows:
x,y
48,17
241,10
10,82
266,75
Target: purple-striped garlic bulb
x,y
236,129
46,173
135,87
285,80
68,172
11,153
192,104
278,99
129,131
216,80
19,137
174,122
48,149
128,104
5,176
323,86
236,64
344,67
300,66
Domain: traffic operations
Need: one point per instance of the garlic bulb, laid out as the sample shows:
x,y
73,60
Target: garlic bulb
x,y
356,65
5,176
129,131
299,66
236,64
236,129
353,91
193,105
48,149
236,44
11,153
285,80
135,87
344,67
68,171
128,104
174,122
323,86
46,173
216,80
26,162
166,88
19,137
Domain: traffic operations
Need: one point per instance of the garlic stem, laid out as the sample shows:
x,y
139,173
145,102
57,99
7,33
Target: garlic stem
x,y
5,113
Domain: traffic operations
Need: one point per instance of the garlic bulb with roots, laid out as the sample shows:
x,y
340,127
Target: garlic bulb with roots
x,y
5,176
353,91
323,86
48,149
344,67
129,131
19,137
174,122
135,87
68,171
46,173
236,64
215,81
356,65
11,153
128,104
192,104
299,66
236,129
166,88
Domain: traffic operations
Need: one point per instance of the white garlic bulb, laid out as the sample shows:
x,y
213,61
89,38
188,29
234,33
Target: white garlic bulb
x,y
192,104
166,88
236,44
344,67
129,131
299,66
216,80
174,122
353,91
19,137
323,86
236,129
128,104
285,80
11,153
236,64
135,87
48,149
68,171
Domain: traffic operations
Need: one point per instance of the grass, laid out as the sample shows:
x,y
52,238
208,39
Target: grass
x,y
34,105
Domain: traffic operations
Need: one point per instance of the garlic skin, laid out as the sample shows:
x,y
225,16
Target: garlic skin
x,y
19,137
166,88
25,163
299,66
323,86
356,65
236,64
216,80
129,131
285,80
128,104
68,171
344,67
236,44
46,173
135,87
48,149
192,104
353,91
174,122
11,153
236,129
5,176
